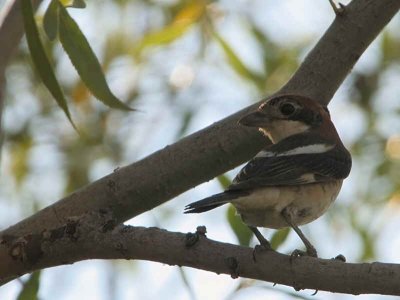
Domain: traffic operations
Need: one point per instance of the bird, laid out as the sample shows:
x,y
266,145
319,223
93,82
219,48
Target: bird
x,y
292,181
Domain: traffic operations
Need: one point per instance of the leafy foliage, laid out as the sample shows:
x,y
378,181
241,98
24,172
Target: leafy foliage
x,y
41,60
30,287
58,21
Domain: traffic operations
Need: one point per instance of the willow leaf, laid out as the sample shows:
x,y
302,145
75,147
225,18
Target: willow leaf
x,y
40,59
85,61
50,20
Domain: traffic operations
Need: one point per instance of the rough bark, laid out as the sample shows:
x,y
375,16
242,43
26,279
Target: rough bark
x,y
74,242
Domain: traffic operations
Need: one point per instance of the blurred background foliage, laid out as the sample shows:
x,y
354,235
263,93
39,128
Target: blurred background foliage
x,y
184,64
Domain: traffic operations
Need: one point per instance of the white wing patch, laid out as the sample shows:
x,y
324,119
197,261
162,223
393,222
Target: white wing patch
x,y
309,149
264,153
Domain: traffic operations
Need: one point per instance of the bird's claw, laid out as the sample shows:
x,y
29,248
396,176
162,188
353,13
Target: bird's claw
x,y
311,252
297,253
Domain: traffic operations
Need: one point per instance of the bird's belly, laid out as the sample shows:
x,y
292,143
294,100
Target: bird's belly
x,y
304,203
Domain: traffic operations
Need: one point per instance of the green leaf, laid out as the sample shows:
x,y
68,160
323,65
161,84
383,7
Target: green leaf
x,y
86,64
20,158
241,231
279,237
186,119
164,36
237,65
367,238
40,59
224,181
30,288
390,48
50,20
184,19
369,246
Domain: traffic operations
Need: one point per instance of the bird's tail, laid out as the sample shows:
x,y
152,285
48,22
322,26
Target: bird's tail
x,y
212,202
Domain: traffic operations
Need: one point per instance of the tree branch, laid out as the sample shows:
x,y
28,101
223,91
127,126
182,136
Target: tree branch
x,y
95,237
143,185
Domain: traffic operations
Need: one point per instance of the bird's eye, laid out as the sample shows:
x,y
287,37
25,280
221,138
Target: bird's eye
x,y
287,109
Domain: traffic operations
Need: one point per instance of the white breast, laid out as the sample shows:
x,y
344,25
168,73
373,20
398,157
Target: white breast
x,y
307,202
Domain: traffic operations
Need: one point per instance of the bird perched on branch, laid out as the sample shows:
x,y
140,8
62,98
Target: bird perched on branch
x,y
293,181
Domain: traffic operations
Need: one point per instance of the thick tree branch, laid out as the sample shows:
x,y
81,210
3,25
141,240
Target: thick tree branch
x,y
81,239
218,148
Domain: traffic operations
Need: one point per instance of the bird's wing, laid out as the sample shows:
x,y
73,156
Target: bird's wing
x,y
299,159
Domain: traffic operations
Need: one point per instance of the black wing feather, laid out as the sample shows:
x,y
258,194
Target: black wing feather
x,y
294,169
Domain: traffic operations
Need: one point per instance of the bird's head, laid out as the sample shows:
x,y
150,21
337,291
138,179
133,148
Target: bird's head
x,y
286,115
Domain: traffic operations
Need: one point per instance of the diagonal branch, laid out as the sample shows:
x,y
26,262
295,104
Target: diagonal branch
x,y
143,185
96,237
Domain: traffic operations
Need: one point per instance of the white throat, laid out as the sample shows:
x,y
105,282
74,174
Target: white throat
x,y
281,129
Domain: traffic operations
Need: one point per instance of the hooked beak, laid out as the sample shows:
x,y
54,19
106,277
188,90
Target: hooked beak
x,y
255,119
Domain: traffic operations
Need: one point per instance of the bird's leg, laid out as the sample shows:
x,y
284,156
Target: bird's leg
x,y
311,251
263,241
264,244
310,248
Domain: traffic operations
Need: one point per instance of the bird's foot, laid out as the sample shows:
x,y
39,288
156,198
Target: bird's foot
x,y
286,214
297,253
264,243
311,252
